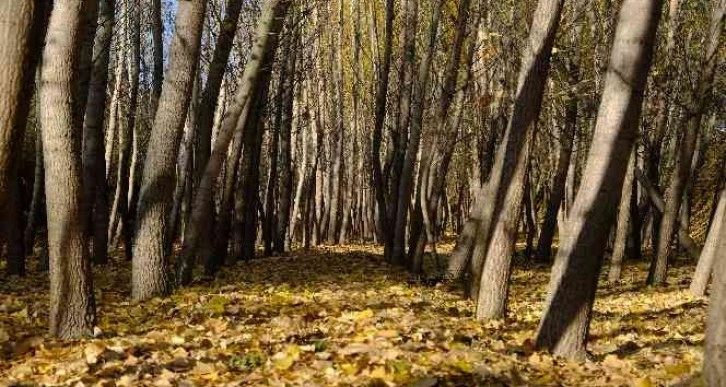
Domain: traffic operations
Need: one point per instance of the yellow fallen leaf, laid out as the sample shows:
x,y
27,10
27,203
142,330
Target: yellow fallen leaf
x,y
643,382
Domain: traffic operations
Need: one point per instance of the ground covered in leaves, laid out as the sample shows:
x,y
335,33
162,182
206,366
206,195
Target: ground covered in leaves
x,y
341,316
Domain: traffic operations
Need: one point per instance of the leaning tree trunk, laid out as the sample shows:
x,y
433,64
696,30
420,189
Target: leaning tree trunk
x,y
22,28
94,168
658,205
16,21
378,182
400,134
621,232
157,40
72,306
405,186
268,27
505,189
711,250
210,95
282,241
714,368
149,265
681,174
559,183
566,320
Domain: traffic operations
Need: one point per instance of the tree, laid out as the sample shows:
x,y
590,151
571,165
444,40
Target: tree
x,y
714,368
566,319
72,304
94,171
22,27
505,188
235,118
696,106
149,270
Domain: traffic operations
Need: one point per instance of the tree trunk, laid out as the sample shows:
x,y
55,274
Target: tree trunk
x,y
681,173
22,25
559,183
378,181
285,175
210,95
566,319
711,250
492,253
149,267
16,22
157,40
94,167
132,141
235,118
420,88
623,223
714,367
658,204
72,305
400,135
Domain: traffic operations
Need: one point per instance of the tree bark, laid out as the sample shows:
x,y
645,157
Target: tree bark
x,y
149,266
714,367
22,26
72,305
420,88
94,167
559,183
623,223
384,69
681,173
268,27
711,250
566,319
491,256
210,95
658,204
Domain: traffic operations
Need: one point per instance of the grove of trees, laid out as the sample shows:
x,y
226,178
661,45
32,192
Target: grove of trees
x,y
184,136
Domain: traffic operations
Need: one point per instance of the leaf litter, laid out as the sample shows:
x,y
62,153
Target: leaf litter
x,y
342,316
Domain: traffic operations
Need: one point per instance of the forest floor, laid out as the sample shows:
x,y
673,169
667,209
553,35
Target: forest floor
x,y
341,316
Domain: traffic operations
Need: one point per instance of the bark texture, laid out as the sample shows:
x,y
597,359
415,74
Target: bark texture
x,y
149,268
566,320
72,306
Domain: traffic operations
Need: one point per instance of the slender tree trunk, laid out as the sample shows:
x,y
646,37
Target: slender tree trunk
x,y
72,305
36,203
132,135
711,250
22,27
623,223
273,149
210,95
285,174
714,368
149,266
184,168
566,320
235,118
559,183
681,174
400,135
492,253
658,205
94,168
405,186
157,41
378,182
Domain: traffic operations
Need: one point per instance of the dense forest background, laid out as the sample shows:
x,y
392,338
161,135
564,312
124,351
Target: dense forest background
x,y
154,148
